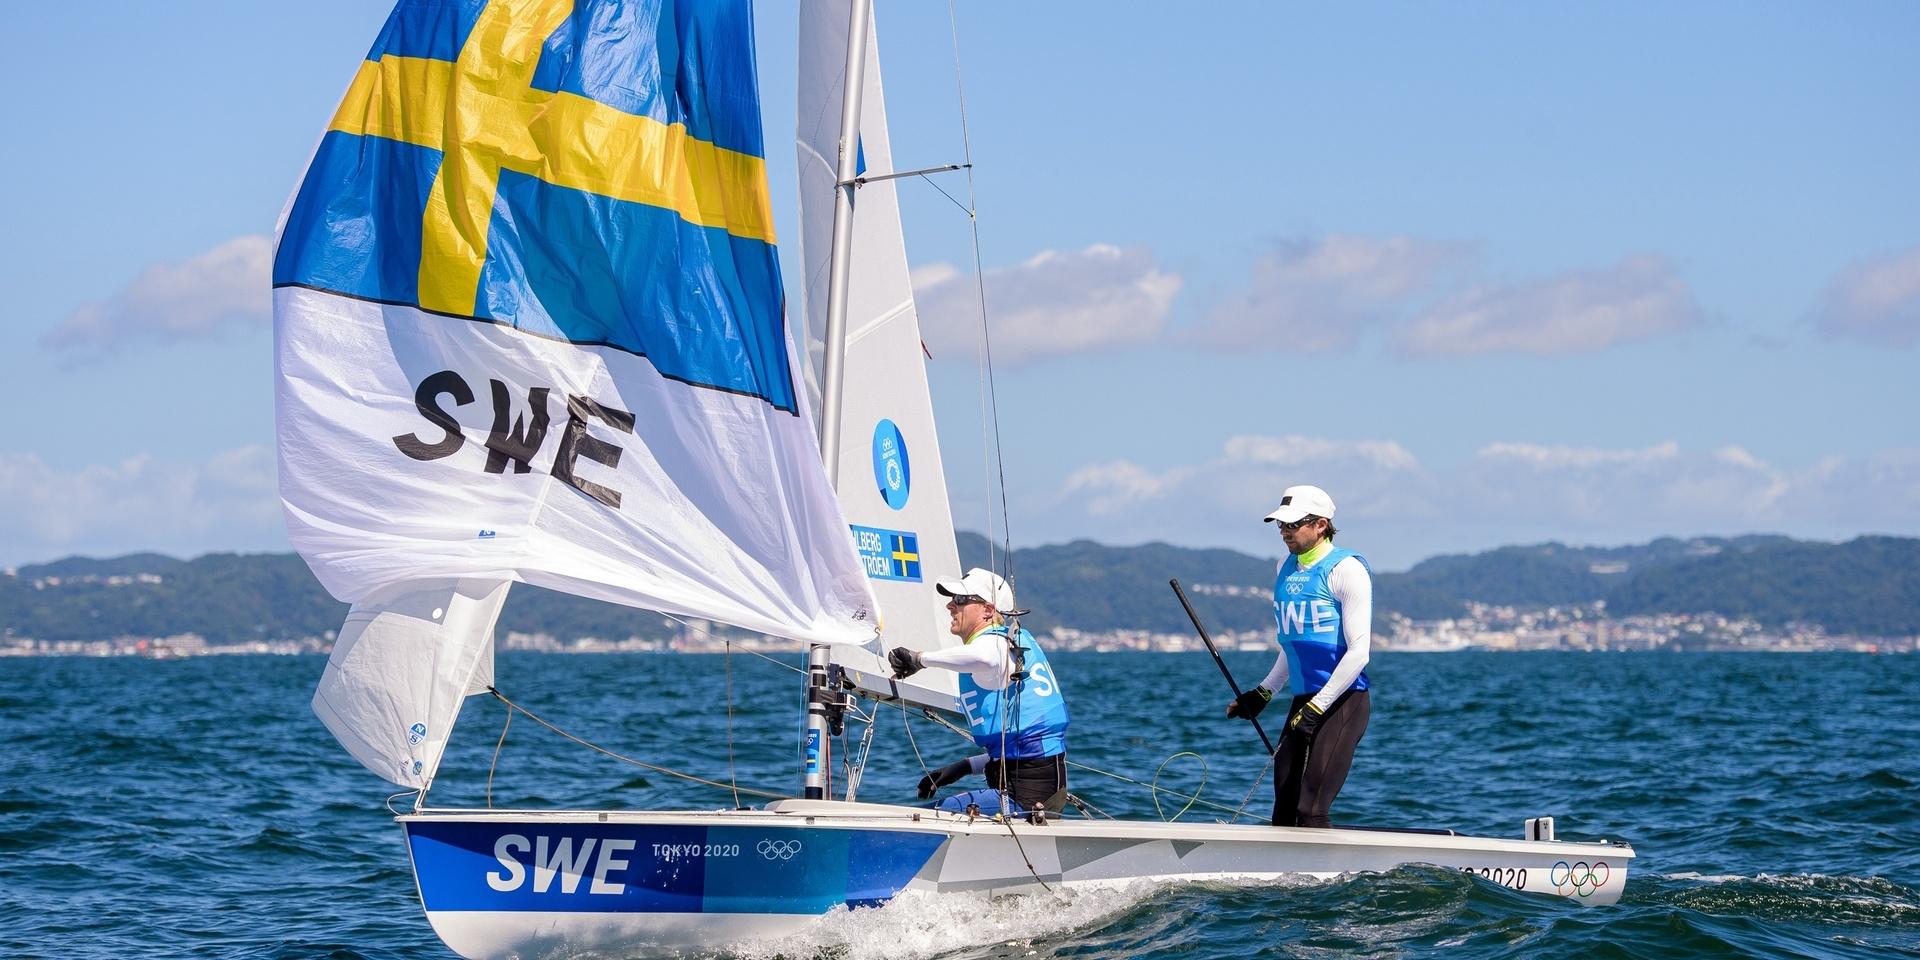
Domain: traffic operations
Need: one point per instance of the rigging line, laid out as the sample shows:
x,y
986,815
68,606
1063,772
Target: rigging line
x,y
417,794
1196,790
1256,785
980,282
950,197
906,720
733,777
536,718
777,663
496,755
1022,848
729,641
1085,806
1010,717
986,342
1149,786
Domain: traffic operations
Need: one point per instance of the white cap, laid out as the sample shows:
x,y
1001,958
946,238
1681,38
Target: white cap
x,y
1300,501
981,583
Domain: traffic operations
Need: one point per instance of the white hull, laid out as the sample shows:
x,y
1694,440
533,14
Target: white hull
x,y
638,883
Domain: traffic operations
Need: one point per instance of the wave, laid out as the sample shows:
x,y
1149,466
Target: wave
x,y
917,924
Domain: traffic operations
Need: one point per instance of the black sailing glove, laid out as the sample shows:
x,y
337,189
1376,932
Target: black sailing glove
x,y
943,776
905,662
1249,703
1305,722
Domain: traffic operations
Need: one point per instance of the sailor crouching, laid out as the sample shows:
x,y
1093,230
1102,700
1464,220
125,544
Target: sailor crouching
x,y
1323,604
1015,708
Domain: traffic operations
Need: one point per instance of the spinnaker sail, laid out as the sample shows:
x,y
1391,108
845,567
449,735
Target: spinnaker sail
x,y
529,326
529,318
405,660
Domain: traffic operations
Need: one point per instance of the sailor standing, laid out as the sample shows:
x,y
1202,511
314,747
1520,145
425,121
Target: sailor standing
x,y
1323,604
1015,708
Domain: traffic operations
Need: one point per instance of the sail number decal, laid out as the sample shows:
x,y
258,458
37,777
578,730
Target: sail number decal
x,y
888,554
1515,877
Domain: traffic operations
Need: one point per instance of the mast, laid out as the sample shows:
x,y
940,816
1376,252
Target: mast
x,y
817,754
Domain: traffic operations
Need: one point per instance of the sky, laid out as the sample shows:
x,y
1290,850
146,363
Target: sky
x,y
1489,273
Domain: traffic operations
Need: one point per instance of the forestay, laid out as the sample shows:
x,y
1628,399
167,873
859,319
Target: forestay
x,y
529,326
892,485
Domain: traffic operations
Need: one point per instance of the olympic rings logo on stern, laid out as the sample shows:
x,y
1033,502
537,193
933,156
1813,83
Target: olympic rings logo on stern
x,y
1580,877
779,849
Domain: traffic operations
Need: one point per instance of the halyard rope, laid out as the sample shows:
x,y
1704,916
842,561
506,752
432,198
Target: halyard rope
x,y
733,777
496,756
623,758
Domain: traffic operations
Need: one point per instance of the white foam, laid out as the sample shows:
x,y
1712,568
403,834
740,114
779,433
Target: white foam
x,y
1705,877
918,924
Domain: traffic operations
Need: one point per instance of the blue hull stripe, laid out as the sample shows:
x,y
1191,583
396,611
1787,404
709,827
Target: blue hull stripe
x,y
652,868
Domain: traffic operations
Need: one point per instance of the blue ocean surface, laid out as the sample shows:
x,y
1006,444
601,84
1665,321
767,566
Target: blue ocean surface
x,y
197,808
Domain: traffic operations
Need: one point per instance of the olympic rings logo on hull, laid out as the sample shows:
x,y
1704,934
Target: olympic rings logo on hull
x,y
779,849
1580,877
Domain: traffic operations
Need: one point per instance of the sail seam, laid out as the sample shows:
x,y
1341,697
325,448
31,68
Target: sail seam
x,y
792,410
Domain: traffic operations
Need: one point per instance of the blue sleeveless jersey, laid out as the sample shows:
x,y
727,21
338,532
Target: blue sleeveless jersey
x,y
1037,725
1309,620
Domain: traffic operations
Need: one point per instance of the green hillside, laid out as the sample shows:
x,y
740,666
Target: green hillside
x,y
1870,585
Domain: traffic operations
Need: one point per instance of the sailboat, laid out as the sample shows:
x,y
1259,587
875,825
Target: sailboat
x,y
529,328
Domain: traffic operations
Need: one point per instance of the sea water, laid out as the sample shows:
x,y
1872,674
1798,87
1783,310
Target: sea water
x,y
197,808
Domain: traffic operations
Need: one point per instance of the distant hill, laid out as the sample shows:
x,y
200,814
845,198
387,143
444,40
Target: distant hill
x,y
1089,586
1552,573
1870,585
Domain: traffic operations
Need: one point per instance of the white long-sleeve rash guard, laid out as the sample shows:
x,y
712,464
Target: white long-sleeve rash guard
x,y
1350,584
985,656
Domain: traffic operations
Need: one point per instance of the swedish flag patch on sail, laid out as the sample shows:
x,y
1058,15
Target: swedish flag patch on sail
x,y
888,554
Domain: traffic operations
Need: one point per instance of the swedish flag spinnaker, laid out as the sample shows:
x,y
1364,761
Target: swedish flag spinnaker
x,y
530,327
528,308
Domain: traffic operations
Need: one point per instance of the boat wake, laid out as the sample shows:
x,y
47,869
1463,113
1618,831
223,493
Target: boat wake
x,y
916,925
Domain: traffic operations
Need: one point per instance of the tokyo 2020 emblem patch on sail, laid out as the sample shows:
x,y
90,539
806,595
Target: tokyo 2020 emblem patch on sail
x,y
890,467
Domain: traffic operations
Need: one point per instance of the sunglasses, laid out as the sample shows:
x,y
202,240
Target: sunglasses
x,y
1297,524
963,601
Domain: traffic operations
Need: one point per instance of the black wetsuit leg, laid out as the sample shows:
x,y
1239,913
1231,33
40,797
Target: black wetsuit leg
x,y
1287,770
1036,780
1305,780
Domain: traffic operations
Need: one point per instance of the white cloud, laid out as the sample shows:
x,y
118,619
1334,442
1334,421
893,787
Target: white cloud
x,y
1223,499
1056,303
1315,295
1876,300
224,288
228,502
1399,509
1538,456
1876,493
1658,489
1111,487
1575,312
1296,450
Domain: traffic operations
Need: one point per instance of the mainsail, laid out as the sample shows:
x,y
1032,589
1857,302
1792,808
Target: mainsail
x,y
892,485
529,327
